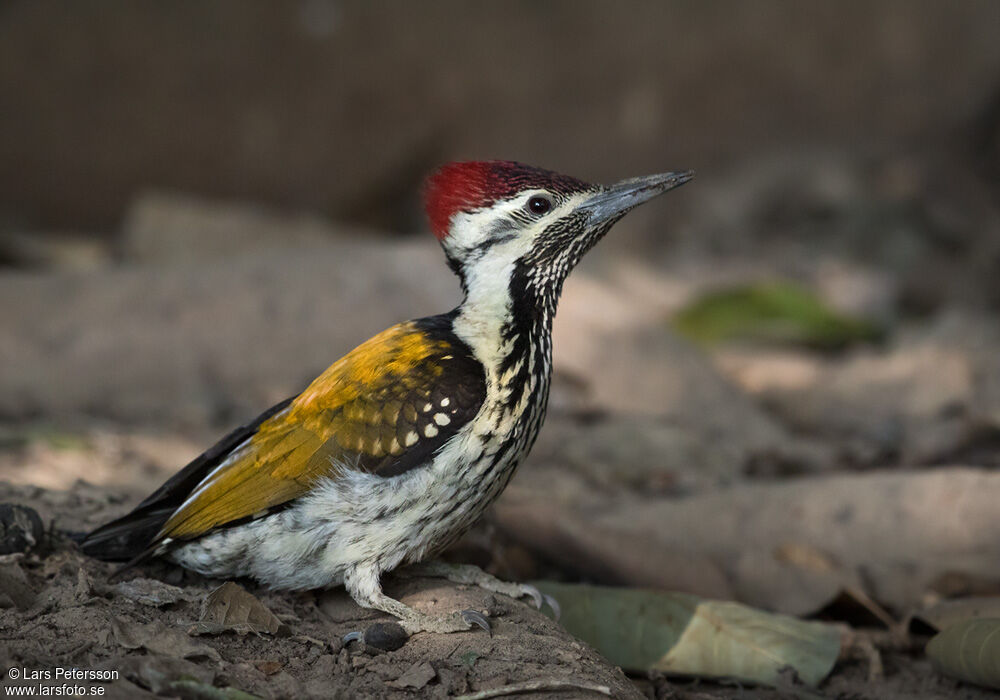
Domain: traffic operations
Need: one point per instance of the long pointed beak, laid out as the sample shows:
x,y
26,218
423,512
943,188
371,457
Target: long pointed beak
x,y
613,202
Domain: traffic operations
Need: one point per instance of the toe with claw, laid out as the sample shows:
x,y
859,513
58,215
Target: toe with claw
x,y
554,604
474,617
541,599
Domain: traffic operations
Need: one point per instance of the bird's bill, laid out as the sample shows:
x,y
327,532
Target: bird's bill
x,y
616,200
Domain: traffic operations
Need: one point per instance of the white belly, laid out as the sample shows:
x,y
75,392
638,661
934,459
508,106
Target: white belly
x,y
359,520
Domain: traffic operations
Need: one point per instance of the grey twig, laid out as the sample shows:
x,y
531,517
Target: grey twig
x,y
534,687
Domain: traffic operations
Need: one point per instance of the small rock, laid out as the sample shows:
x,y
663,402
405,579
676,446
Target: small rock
x,y
387,636
15,591
416,676
147,591
20,528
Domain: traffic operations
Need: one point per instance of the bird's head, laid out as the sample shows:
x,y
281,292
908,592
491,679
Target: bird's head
x,y
495,218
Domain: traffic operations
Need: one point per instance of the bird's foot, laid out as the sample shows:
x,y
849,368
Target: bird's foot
x,y
443,624
474,576
363,586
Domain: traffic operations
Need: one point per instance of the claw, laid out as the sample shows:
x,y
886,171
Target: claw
x,y
541,599
554,604
474,617
355,636
536,595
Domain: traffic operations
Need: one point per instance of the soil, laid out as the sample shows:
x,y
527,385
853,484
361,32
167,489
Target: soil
x,y
68,613
143,626
773,474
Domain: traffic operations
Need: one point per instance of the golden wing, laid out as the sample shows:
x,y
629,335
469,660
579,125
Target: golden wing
x,y
385,407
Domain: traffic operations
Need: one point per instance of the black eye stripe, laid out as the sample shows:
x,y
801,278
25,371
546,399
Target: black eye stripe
x,y
492,241
503,238
502,228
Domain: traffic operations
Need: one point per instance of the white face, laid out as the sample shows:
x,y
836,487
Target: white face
x,y
488,242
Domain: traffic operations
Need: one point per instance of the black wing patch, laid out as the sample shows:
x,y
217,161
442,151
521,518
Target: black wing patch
x,y
427,420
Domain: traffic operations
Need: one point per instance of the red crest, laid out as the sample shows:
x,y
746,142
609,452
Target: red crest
x,y
472,185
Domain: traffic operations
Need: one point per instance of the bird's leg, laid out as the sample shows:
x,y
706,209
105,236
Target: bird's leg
x,y
364,587
474,576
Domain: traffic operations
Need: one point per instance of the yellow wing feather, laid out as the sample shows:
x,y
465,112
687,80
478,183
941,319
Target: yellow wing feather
x,y
351,410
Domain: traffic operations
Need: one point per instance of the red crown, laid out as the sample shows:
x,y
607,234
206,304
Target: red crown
x,y
472,185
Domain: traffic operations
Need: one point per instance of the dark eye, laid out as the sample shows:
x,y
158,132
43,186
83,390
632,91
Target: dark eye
x,y
539,204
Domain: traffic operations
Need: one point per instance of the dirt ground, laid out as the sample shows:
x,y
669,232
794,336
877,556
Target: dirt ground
x,y
63,611
69,614
856,484
203,205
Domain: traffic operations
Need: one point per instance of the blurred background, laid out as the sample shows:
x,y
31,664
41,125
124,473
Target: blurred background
x,y
202,204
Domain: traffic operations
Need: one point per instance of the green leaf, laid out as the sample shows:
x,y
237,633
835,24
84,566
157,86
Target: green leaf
x,y
686,635
770,312
969,651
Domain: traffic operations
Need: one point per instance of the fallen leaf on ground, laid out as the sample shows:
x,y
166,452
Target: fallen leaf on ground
x,y
268,668
969,651
416,676
159,639
686,635
230,608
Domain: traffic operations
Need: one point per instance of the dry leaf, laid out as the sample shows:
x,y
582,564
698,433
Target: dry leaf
x,y
230,608
416,676
686,635
268,668
159,639
969,651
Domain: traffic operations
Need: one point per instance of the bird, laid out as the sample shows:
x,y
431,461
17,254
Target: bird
x,y
395,450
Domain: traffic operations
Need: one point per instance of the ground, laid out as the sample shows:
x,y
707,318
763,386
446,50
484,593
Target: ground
x,y
852,480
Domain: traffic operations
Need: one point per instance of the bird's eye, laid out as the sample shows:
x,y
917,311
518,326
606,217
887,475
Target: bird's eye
x,y
539,204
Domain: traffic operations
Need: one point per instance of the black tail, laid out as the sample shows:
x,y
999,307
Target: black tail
x,y
132,537
127,537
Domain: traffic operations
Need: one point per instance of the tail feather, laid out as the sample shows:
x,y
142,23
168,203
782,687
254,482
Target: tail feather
x,y
132,537
127,537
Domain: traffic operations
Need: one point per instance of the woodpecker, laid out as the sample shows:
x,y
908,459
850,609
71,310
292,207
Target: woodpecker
x,y
393,452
